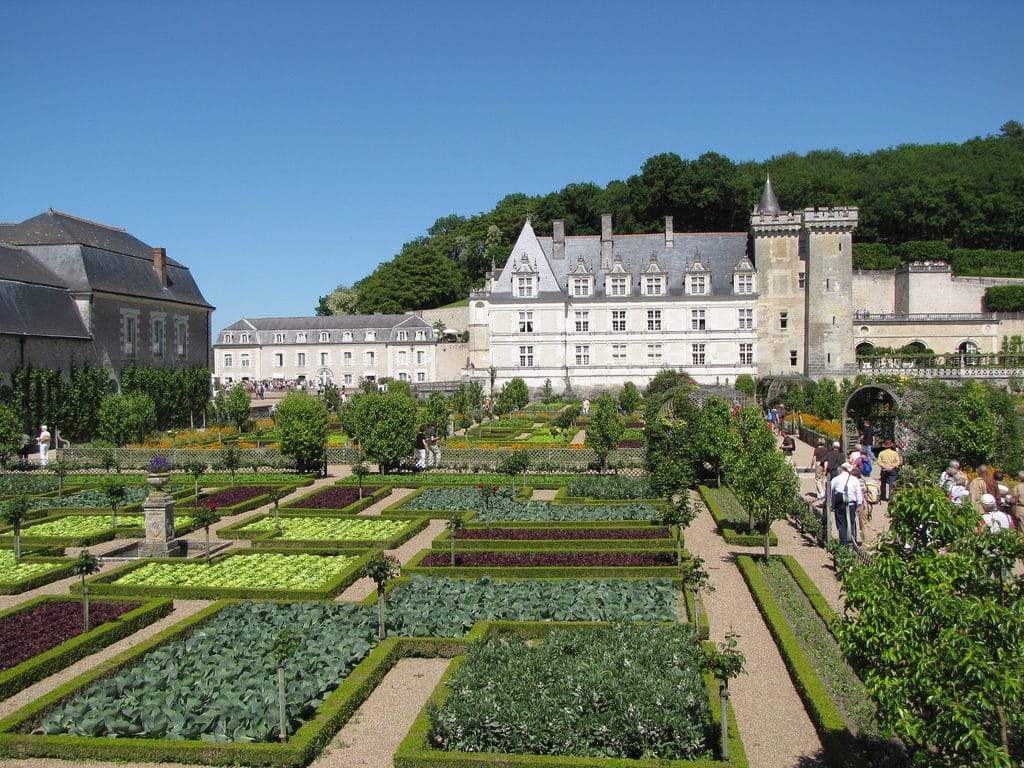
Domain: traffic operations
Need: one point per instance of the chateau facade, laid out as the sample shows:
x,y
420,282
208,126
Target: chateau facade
x,y
593,312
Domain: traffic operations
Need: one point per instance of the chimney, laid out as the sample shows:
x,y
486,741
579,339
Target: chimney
x,y
669,238
160,265
558,238
606,241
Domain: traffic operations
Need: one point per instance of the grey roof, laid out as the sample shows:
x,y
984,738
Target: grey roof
x,y
769,202
92,257
18,265
719,253
28,309
386,326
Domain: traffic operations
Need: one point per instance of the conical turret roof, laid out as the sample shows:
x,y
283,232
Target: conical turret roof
x,y
769,202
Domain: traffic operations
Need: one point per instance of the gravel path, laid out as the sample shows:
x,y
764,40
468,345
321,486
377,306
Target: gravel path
x,y
775,729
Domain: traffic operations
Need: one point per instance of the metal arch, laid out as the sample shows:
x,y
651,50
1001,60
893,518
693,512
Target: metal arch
x,y
888,390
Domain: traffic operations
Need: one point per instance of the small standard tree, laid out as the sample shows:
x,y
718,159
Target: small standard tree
x,y
197,469
455,524
724,663
84,565
285,646
116,492
605,429
231,460
381,568
60,468
205,516
13,512
515,463
360,471
389,428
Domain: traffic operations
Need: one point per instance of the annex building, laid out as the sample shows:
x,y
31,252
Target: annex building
x,y
593,312
75,292
344,350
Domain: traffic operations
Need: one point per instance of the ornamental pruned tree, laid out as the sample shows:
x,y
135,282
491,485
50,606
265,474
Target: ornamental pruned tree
x,y
716,435
605,428
204,516
513,396
360,471
629,398
13,512
514,463
60,468
389,428
84,565
115,492
10,434
284,647
231,460
239,405
381,568
455,524
302,430
127,419
934,628
197,469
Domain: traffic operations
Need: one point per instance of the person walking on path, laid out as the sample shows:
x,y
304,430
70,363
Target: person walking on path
x,y
44,445
434,446
889,461
981,485
846,498
421,448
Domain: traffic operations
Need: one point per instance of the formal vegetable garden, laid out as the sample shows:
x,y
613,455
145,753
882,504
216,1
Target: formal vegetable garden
x,y
12,572
485,559
88,527
290,528
501,506
219,683
562,534
627,692
94,498
332,498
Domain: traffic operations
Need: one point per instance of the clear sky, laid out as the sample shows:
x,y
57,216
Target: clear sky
x,y
281,148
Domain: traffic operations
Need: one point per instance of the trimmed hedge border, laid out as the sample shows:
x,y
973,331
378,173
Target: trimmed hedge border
x,y
545,572
832,729
40,579
730,534
236,531
57,658
415,750
102,584
304,745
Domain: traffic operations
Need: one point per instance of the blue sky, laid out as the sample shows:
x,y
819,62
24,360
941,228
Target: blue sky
x,y
279,149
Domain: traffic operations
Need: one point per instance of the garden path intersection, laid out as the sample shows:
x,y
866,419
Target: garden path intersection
x,y
776,730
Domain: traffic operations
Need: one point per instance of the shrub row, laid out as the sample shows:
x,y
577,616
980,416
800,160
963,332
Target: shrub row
x,y
728,524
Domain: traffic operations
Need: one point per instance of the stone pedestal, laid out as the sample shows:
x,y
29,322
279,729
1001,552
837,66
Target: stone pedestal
x,y
158,509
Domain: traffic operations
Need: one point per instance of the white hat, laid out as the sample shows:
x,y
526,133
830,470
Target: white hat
x,y
847,466
988,500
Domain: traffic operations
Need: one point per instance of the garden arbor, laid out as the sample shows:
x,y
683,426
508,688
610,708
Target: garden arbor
x,y
877,402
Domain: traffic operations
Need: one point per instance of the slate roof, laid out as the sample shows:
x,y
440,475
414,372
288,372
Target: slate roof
x,y
87,256
719,253
385,326
33,302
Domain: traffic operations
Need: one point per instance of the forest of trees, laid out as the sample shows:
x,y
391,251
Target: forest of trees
x,y
966,196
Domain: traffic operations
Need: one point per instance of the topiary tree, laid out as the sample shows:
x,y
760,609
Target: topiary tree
x,y
197,469
389,429
285,646
605,429
127,419
454,525
360,470
724,663
437,411
13,512
745,384
84,565
381,568
10,434
513,396
302,430
116,492
231,460
239,407
60,468
205,516
514,463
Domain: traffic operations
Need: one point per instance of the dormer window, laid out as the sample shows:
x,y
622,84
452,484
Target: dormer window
x,y
300,338
743,278
524,282
371,335
581,280
346,336
616,281
654,285
403,335
279,338
698,284
580,286
325,336
245,339
524,286
228,338
421,335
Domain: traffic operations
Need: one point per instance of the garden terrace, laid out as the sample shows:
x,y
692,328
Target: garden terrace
x,y
82,529
43,636
29,572
317,530
265,575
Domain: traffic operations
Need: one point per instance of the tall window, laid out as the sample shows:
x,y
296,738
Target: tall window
x,y
582,354
181,336
421,357
369,358
654,354
619,286
697,352
300,359
783,320
653,285
653,319
698,284
346,359
746,319
618,354
582,321
324,358
348,378
279,359
698,320
421,376
524,287
403,357
229,360
745,283
526,356
158,338
129,333
793,358
403,376
244,358
618,319
581,286
746,353
526,321
801,280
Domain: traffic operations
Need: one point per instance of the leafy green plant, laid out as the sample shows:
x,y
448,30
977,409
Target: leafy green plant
x,y
84,565
196,469
60,468
116,492
204,516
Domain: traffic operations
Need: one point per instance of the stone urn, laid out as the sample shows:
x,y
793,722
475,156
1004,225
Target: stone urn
x,y
158,480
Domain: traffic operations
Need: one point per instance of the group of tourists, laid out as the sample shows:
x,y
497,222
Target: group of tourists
x,y
999,506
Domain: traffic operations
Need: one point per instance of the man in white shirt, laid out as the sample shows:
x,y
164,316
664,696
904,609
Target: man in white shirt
x,y
847,496
993,519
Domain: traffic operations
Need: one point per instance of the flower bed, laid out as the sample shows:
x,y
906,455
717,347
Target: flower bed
x,y
621,692
28,573
41,627
427,606
337,497
270,575
220,684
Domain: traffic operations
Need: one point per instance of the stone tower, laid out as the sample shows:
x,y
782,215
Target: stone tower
x,y
804,262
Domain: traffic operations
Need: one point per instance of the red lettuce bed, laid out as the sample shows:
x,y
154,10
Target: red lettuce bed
x,y
559,534
331,498
550,559
229,497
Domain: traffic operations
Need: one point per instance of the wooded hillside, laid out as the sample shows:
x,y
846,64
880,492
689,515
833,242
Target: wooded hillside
x,y
963,196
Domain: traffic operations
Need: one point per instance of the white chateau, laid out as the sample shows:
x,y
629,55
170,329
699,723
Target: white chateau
x,y
593,312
